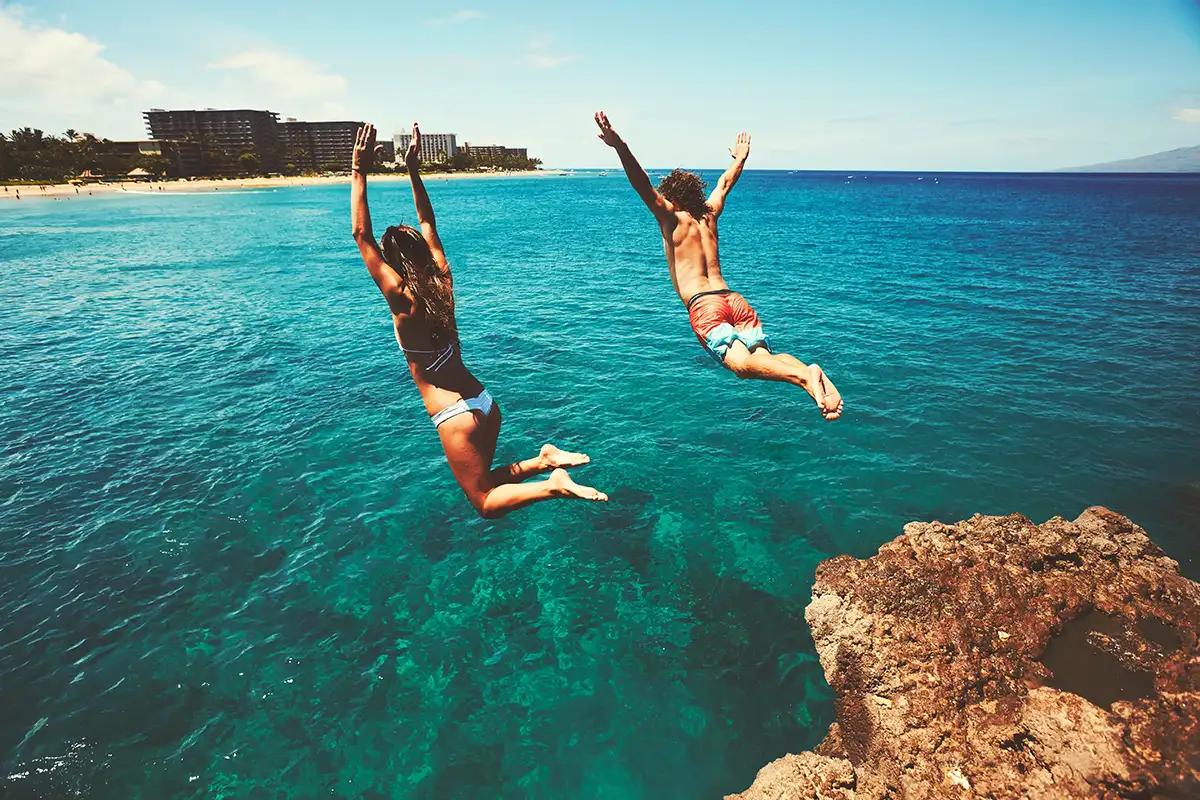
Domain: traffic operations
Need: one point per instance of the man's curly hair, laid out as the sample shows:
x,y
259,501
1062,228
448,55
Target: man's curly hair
x,y
686,191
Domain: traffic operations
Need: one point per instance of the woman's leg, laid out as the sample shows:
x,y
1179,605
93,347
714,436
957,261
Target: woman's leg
x,y
469,443
549,458
490,434
510,496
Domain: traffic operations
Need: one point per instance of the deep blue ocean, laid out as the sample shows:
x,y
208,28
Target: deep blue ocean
x,y
234,563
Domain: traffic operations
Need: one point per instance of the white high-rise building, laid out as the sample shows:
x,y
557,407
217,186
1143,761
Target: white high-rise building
x,y
435,147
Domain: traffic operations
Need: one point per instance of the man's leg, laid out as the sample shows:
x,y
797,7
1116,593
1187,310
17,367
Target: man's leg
x,y
549,458
764,365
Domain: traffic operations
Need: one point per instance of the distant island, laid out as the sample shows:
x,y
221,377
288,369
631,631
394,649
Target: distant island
x,y
1182,159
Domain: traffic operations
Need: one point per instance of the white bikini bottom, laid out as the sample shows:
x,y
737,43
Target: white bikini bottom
x,y
481,403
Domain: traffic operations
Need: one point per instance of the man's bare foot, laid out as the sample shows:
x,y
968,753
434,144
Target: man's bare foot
x,y
553,458
829,400
561,485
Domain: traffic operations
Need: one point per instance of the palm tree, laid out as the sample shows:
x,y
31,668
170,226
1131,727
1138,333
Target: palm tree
x,y
27,137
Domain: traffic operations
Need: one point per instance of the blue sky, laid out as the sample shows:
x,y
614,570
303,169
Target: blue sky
x,y
869,84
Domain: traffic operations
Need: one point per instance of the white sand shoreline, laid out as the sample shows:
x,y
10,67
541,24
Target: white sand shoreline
x,y
177,186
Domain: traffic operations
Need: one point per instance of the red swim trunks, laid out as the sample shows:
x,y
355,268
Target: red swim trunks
x,y
719,318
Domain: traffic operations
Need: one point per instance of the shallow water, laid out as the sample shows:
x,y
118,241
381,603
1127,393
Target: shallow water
x,y
234,563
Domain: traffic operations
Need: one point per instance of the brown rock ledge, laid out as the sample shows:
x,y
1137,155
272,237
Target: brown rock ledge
x,y
995,658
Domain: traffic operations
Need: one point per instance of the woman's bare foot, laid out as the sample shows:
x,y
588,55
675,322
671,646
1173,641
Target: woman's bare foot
x,y
829,400
561,485
553,458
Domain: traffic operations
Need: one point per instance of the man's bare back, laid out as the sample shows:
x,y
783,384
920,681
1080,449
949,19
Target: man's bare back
x,y
724,323
690,246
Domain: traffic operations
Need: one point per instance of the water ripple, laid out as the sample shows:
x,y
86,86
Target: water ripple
x,y
234,562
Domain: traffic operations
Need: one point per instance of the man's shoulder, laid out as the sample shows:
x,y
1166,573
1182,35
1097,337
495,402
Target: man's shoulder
x,y
685,219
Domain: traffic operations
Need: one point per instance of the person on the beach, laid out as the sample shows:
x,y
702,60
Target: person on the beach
x,y
724,323
410,268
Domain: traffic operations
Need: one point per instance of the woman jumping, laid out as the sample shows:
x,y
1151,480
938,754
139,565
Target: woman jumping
x,y
412,273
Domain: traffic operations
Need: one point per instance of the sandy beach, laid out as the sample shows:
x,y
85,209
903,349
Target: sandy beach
x,y
66,190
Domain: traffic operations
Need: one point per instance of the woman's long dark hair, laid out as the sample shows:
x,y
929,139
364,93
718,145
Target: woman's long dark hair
x,y
407,252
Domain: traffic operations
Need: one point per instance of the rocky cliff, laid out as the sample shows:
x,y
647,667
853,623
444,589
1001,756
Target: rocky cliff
x,y
1001,659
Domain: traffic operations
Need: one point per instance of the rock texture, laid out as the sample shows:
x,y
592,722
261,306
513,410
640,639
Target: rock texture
x,y
951,651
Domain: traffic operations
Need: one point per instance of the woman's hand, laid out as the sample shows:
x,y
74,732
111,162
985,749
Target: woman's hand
x,y
364,149
412,158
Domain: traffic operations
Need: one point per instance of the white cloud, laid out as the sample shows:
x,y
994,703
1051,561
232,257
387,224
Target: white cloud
x,y
541,56
458,17
286,76
42,66
1188,115
548,61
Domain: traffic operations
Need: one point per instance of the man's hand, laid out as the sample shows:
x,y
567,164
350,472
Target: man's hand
x,y
607,134
364,149
412,158
741,146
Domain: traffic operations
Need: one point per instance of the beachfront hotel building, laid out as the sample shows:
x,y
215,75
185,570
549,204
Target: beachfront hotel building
x,y
318,145
436,148
223,135
215,141
493,153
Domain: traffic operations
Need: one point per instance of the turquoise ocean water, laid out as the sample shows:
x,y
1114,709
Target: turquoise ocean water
x,y
234,564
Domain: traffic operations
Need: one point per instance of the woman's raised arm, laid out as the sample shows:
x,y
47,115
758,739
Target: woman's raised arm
x,y
384,276
412,160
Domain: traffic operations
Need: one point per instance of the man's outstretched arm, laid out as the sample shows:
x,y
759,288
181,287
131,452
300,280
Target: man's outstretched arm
x,y
740,152
662,209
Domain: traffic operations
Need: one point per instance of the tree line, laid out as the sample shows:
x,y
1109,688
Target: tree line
x,y
33,156
463,160
28,154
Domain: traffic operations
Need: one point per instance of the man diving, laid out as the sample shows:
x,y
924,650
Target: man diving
x,y
725,324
